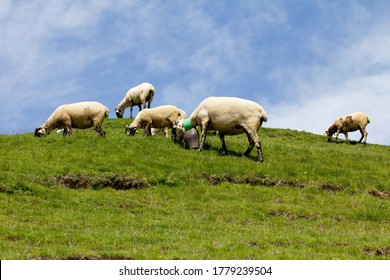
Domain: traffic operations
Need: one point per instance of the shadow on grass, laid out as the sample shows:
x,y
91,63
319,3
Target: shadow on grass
x,y
351,142
207,147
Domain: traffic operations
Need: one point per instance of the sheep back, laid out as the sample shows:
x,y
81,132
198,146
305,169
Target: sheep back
x,y
77,115
140,93
351,122
227,114
83,114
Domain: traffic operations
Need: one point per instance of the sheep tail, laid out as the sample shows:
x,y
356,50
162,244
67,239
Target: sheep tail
x,y
264,117
152,91
368,120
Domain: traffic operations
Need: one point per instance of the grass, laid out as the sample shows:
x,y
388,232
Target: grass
x,y
146,198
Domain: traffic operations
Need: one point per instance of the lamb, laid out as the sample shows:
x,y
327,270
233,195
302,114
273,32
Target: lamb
x,y
77,115
228,116
159,117
349,123
137,95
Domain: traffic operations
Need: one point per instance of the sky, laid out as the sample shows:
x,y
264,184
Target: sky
x,y
306,62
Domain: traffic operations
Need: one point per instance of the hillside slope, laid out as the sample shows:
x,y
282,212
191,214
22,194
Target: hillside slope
x,y
142,197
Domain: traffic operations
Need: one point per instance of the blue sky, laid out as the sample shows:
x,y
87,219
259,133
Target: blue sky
x,y
305,62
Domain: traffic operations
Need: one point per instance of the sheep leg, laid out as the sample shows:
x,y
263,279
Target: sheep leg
x,y
259,151
98,128
148,130
67,130
100,131
346,137
253,140
337,135
131,110
222,137
204,134
364,135
251,144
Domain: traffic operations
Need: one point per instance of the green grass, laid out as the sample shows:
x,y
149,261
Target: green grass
x,y
146,198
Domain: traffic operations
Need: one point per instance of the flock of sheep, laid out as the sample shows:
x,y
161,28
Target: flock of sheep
x,y
226,115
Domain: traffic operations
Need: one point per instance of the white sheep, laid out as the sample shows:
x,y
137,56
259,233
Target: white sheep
x,y
137,95
159,117
77,115
349,123
228,116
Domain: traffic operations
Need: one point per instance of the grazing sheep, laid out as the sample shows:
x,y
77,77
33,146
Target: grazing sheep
x,y
77,115
159,117
349,123
229,116
138,95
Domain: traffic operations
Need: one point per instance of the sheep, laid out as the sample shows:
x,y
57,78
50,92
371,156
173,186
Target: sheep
x,y
137,95
77,115
159,117
228,116
349,123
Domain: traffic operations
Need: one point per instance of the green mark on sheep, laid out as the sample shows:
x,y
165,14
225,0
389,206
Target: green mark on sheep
x,y
187,124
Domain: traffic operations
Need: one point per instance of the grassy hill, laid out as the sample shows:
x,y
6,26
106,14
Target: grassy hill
x,y
146,198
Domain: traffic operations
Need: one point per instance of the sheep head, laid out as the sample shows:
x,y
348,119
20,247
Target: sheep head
x,y
331,130
40,132
130,131
119,113
177,131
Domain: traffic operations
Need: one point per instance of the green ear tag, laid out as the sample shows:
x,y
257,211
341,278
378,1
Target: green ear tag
x,y
187,124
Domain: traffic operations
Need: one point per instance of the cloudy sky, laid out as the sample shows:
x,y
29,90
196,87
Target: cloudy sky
x,y
305,61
